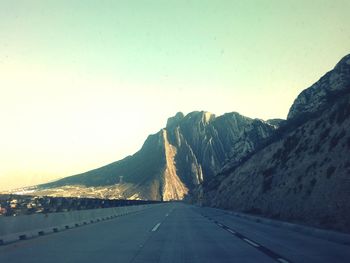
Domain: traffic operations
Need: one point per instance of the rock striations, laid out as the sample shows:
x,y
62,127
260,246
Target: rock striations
x,y
172,162
303,173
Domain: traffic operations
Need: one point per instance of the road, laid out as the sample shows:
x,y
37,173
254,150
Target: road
x,y
175,232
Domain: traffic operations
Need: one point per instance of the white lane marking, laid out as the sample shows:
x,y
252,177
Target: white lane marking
x,y
251,242
282,260
155,227
231,231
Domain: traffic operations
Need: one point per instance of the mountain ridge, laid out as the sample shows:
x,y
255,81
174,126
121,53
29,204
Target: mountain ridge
x,y
172,162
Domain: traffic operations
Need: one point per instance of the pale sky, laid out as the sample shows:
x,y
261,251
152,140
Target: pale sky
x,y
82,83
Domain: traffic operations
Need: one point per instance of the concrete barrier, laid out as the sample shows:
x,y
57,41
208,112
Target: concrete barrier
x,y
15,228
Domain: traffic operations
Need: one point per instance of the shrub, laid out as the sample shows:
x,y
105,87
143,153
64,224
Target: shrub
x,y
311,166
268,172
324,134
335,139
330,171
347,164
300,187
343,113
267,184
313,182
317,148
290,143
317,124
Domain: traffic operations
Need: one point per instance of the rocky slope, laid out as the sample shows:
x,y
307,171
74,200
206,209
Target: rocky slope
x,y
303,173
320,95
172,162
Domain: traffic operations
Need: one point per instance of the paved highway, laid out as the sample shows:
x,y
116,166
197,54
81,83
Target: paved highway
x,y
175,232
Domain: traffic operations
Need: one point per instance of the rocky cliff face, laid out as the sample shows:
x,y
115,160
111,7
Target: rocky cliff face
x,y
172,162
319,96
303,174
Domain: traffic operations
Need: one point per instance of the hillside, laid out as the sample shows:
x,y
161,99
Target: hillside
x,y
303,173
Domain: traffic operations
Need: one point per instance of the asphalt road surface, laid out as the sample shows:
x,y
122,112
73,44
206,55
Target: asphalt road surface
x,y
175,232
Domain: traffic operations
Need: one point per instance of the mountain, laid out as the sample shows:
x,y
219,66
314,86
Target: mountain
x,y
324,92
302,173
171,163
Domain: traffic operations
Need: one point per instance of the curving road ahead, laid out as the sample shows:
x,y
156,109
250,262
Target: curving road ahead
x,y
175,232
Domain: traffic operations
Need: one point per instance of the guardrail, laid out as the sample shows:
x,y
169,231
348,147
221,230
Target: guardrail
x,y
15,205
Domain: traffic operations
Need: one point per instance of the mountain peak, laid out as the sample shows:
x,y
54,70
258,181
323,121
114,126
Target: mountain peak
x,y
345,61
173,121
331,86
203,116
207,116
